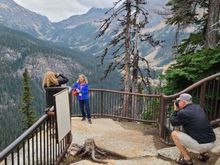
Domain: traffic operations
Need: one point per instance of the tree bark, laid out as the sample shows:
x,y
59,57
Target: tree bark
x,y
213,18
127,79
92,151
127,73
135,63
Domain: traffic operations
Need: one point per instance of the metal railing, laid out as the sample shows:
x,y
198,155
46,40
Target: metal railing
x,y
39,144
205,92
110,103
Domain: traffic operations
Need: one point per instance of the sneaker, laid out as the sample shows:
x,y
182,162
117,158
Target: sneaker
x,y
90,121
203,157
182,161
83,119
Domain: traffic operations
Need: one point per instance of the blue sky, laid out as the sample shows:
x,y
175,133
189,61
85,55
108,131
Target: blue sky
x,y
57,10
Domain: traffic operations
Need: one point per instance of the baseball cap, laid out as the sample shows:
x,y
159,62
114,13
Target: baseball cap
x,y
185,97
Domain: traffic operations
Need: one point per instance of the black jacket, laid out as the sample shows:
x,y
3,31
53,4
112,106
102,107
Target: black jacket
x,y
195,122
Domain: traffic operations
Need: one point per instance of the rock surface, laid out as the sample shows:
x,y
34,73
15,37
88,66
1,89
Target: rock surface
x,y
138,148
140,161
217,162
169,152
216,149
111,136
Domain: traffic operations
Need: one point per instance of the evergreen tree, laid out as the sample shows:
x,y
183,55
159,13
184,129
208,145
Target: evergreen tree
x,y
127,21
191,68
198,55
28,113
201,14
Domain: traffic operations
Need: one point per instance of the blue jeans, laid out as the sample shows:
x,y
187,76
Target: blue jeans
x,y
82,104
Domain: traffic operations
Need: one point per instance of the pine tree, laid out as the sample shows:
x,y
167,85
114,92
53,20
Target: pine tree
x,y
127,22
28,113
202,14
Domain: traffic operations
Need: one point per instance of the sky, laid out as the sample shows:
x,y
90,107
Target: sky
x,y
57,10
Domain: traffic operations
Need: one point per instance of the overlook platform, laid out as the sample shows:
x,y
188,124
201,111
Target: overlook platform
x,y
136,141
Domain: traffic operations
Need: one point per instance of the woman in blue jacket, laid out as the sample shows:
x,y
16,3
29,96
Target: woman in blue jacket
x,y
82,88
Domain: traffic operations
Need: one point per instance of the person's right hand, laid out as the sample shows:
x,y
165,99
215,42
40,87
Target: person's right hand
x,y
77,90
175,107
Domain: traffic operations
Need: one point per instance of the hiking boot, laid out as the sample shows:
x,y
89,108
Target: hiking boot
x,y
90,121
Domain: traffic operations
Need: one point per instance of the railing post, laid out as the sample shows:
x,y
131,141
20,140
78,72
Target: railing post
x,y
202,94
102,103
162,116
69,138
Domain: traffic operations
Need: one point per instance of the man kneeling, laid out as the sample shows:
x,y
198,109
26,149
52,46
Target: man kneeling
x,y
198,134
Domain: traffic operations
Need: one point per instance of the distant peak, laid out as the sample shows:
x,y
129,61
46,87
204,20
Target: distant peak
x,y
94,10
8,2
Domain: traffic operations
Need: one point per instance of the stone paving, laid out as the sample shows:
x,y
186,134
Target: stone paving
x,y
138,148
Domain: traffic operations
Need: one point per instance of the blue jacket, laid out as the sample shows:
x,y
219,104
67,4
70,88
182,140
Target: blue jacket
x,y
84,91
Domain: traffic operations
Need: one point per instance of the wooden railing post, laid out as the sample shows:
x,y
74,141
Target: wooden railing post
x,y
162,116
202,94
102,104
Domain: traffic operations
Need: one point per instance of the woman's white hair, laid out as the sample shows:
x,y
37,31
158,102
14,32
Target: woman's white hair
x,y
84,77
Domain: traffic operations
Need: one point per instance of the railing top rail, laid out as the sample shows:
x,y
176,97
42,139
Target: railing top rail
x,y
21,138
121,92
197,84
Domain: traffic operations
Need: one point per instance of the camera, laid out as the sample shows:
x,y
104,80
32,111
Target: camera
x,y
176,102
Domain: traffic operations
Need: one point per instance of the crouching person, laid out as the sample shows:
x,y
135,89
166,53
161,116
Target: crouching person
x,y
198,134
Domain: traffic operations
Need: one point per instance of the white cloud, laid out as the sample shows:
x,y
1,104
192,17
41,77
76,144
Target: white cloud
x,y
57,10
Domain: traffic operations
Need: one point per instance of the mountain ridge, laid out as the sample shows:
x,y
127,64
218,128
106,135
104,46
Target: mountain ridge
x,y
79,31
20,18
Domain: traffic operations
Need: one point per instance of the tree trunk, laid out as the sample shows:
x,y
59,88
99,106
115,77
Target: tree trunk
x,y
127,79
127,74
213,18
135,64
92,151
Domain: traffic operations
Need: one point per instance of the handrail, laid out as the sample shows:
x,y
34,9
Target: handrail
x,y
111,103
206,93
121,92
21,138
197,84
40,141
